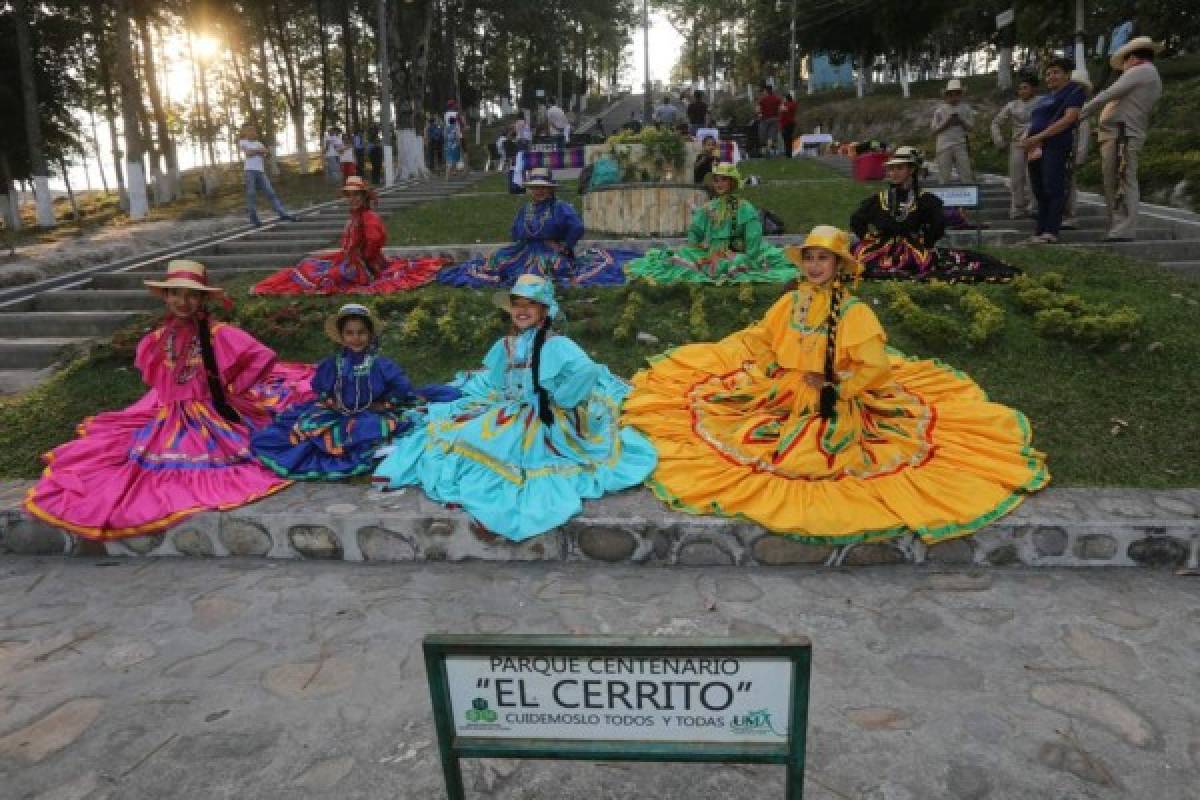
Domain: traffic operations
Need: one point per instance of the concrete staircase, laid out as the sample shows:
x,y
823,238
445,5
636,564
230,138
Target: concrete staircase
x,y
1166,236
38,330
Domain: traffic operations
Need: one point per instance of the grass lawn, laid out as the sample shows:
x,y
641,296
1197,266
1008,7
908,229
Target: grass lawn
x,y
1146,390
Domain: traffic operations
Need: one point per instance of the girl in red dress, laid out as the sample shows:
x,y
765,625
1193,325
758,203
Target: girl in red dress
x,y
359,267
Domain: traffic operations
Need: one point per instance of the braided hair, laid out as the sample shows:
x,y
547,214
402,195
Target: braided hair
x,y
545,412
829,392
220,402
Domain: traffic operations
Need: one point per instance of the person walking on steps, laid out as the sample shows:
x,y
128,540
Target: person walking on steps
x,y
253,153
952,120
1016,114
1124,123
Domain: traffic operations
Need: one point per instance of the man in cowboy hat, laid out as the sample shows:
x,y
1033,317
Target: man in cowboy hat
x,y
1124,123
952,119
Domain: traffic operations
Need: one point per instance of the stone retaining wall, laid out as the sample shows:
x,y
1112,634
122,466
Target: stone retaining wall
x,y
1059,527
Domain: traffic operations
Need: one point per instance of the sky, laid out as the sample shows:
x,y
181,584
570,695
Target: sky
x,y
665,46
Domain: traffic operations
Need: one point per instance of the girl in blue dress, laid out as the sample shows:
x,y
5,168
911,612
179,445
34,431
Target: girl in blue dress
x,y
536,431
544,236
362,401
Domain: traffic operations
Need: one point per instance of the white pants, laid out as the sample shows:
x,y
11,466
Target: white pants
x,y
1018,182
955,155
1122,213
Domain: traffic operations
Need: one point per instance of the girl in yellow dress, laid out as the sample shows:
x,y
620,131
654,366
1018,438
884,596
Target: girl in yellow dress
x,y
808,425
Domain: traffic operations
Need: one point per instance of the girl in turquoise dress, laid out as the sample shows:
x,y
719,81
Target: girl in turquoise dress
x,y
536,431
725,244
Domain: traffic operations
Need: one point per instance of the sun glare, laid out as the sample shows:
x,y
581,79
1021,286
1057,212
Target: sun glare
x,y
205,46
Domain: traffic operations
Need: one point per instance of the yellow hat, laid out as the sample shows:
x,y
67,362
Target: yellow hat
x,y
836,241
728,170
352,310
183,274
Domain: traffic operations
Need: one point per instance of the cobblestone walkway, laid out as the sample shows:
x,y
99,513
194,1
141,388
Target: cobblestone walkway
x,y
241,678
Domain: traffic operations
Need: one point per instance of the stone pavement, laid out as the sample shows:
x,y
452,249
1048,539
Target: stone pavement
x,y
241,678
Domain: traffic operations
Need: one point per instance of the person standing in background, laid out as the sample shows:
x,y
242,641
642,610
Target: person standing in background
x,y
253,153
1050,146
1124,124
1016,115
768,122
697,112
434,137
332,141
952,120
1082,146
787,122
558,124
375,155
665,114
346,156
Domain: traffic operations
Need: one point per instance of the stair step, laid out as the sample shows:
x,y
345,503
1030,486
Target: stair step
x,y
1167,250
19,324
282,257
17,381
251,246
1190,269
133,280
35,353
97,300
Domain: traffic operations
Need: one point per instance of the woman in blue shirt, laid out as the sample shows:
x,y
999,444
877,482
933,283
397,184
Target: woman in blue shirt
x,y
1050,145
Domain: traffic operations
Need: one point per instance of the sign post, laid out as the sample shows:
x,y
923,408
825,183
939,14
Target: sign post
x,y
960,196
620,698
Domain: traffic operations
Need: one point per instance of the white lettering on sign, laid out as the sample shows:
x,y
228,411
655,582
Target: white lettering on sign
x,y
622,698
957,196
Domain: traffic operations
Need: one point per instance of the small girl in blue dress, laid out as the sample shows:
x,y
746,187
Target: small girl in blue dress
x,y
536,431
362,399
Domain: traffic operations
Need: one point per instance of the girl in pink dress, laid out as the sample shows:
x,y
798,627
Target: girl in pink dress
x,y
184,446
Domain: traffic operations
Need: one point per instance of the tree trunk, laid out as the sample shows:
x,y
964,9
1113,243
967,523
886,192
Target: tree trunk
x,y
1004,76
110,115
409,28
130,100
326,80
352,120
293,90
66,176
33,125
96,149
268,110
8,196
170,181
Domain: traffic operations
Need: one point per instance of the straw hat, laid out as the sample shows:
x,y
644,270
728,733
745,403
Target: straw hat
x,y
836,241
355,183
183,274
352,310
953,85
541,176
904,156
1117,60
532,287
728,170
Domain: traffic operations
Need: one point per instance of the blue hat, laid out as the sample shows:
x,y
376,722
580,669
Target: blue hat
x,y
533,287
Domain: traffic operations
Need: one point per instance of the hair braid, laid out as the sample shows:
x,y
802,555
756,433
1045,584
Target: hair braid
x,y
204,336
829,393
545,413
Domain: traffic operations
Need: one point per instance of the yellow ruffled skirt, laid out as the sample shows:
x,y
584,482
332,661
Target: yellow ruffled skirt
x,y
926,454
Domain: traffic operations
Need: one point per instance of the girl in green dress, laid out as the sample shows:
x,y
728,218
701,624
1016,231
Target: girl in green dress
x,y
725,244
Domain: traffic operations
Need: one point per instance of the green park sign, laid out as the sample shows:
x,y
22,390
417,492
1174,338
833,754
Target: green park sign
x,y
620,698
